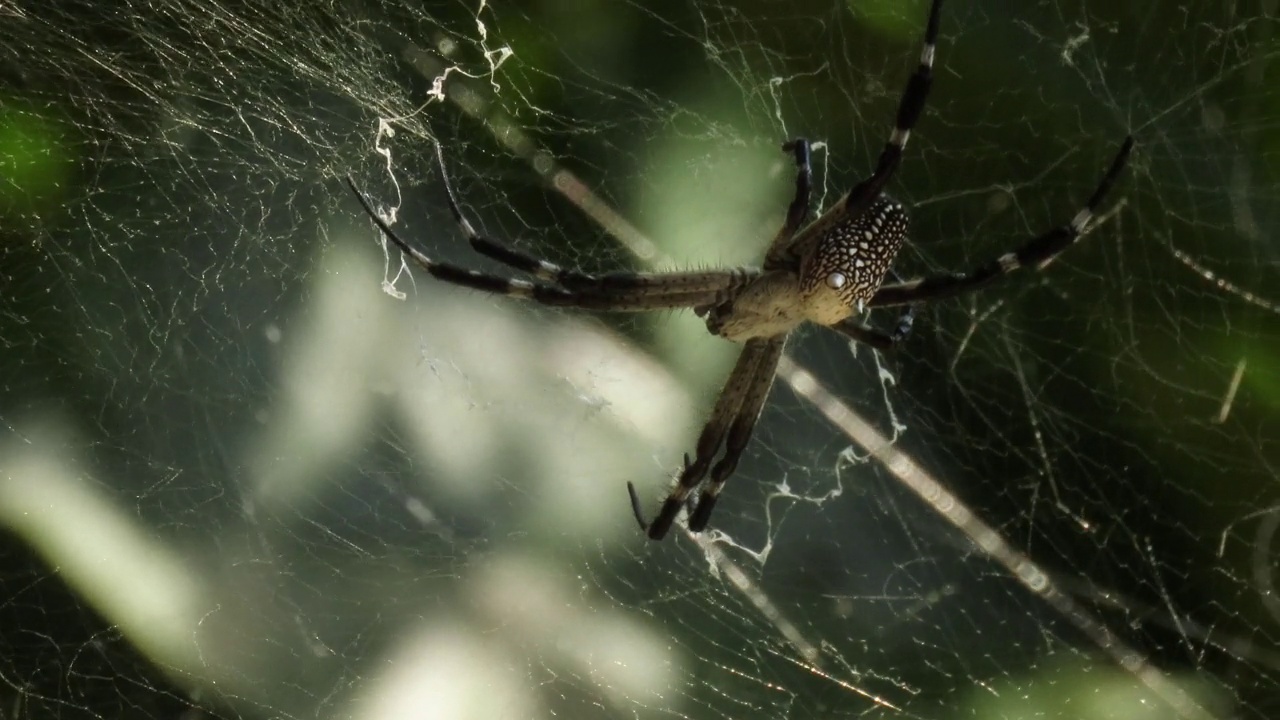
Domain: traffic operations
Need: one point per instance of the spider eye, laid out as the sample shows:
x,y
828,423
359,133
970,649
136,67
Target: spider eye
x,y
836,280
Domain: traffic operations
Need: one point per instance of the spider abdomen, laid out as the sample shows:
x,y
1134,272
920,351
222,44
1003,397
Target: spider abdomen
x,y
849,261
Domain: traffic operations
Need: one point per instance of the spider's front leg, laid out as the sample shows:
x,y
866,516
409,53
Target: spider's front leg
x,y
910,107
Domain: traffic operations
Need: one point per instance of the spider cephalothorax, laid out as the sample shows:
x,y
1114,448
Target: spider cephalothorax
x,y
827,272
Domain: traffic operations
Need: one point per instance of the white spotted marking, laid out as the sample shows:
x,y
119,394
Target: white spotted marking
x,y
836,280
1009,262
859,263
869,235
899,137
926,55
864,246
1081,219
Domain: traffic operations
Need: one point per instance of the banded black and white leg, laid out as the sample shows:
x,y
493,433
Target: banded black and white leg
x,y
866,193
611,284
557,286
910,107
625,294
730,426
1035,255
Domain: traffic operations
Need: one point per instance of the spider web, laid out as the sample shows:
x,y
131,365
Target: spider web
x,y
253,466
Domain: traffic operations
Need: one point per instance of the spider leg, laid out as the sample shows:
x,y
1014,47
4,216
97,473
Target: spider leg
x,y
740,432
798,210
738,389
614,283
799,207
910,107
860,332
1035,255
501,252
624,299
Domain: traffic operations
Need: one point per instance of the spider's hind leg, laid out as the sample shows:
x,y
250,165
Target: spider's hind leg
x,y
505,254
1034,255
625,291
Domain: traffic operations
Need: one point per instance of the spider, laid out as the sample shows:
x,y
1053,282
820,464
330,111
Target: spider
x,y
827,272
